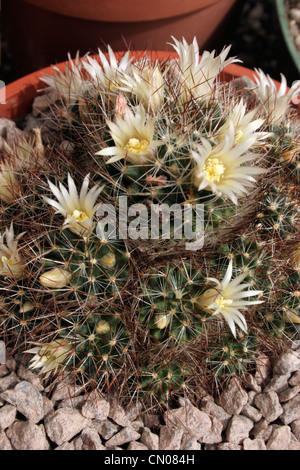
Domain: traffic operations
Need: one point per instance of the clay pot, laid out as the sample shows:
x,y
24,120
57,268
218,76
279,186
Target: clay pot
x,y
123,10
48,29
21,93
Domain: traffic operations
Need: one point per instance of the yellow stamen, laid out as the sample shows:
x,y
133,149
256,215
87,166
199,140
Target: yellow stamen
x,y
79,216
137,146
214,170
222,303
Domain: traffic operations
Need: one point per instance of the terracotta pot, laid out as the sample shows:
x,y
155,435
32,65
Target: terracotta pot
x,y
21,93
123,10
45,37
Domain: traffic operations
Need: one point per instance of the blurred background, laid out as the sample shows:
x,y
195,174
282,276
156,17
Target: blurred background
x,y
38,33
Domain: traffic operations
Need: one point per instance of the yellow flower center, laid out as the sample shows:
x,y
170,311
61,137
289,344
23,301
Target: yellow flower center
x,y
214,170
223,303
137,146
239,134
79,216
6,260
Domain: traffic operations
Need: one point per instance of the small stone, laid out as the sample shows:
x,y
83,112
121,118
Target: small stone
x,y
269,406
278,383
137,446
5,442
27,399
134,411
251,413
48,406
229,446
169,438
66,446
3,370
262,430
25,435
238,429
254,444
289,394
263,370
294,445
216,411
125,435
150,439
42,103
63,424
252,384
195,422
65,389
295,379
291,410
78,443
287,363
251,397
6,127
280,438
118,415
9,381
95,407
91,439
106,428
138,425
295,425
73,402
151,421
7,416
233,398
189,442
25,374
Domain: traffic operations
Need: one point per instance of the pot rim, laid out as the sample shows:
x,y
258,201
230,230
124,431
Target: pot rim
x,y
287,36
127,11
20,93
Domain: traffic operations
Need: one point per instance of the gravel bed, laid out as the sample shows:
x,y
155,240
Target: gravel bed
x,y
264,415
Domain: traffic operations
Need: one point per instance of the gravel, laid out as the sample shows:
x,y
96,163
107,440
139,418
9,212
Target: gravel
x,y
38,416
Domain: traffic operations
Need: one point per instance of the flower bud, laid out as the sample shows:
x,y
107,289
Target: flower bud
x,y
161,321
56,278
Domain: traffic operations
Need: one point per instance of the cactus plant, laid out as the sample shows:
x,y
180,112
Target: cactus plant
x,y
145,314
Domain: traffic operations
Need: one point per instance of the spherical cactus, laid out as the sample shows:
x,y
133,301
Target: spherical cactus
x,y
174,301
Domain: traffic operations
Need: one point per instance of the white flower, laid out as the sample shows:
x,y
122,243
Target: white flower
x,y
227,299
275,102
133,136
220,168
69,83
49,356
78,209
9,187
26,152
11,264
199,75
244,124
147,83
107,73
56,278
